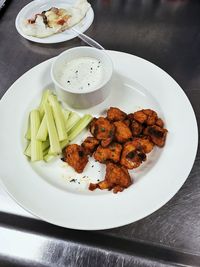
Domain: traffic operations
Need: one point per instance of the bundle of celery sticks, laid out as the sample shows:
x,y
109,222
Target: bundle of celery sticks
x,y
51,128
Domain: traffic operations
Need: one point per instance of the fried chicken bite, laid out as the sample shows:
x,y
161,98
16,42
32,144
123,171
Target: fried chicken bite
x,y
122,132
136,128
139,116
132,155
145,142
160,123
147,116
151,116
116,178
92,125
157,134
102,130
76,157
89,145
115,114
112,152
127,122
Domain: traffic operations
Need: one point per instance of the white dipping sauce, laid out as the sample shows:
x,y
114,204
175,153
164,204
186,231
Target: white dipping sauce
x,y
81,74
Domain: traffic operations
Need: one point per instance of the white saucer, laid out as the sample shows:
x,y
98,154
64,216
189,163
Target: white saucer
x,y
38,6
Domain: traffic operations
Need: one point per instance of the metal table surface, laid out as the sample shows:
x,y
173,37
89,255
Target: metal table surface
x,y
166,33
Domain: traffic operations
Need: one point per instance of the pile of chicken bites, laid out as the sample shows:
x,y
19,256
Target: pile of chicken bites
x,y
121,141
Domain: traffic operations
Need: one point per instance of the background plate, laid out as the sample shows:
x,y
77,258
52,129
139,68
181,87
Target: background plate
x,y
38,6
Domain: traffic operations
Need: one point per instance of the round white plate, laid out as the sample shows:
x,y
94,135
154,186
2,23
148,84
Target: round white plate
x,y
38,6
45,189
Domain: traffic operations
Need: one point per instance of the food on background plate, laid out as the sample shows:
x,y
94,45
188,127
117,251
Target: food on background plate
x,y
51,128
55,20
121,142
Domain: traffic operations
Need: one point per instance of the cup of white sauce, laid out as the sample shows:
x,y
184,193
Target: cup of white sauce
x,y
81,76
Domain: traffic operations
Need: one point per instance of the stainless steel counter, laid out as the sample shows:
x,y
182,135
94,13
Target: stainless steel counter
x,y
166,33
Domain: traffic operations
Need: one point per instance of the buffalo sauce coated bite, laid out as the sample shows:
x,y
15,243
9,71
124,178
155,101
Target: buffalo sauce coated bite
x,y
136,128
147,116
122,132
116,178
132,155
112,153
157,134
160,123
145,122
115,114
145,142
76,157
89,145
102,130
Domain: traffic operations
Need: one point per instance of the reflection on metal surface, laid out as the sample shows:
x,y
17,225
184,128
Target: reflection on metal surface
x,y
34,249
21,245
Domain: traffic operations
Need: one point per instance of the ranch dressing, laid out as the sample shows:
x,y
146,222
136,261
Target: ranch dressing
x,y
81,74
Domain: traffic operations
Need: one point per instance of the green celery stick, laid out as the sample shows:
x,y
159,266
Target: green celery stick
x,y
27,151
42,132
48,157
72,120
58,117
79,126
66,114
44,100
28,132
64,143
53,135
45,146
36,146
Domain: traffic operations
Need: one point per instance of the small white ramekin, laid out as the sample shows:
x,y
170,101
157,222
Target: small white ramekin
x,y
97,94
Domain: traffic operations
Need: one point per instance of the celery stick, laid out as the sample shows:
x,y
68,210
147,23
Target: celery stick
x,y
36,146
58,117
48,157
44,100
66,114
45,145
73,119
79,126
28,132
42,132
27,151
53,135
64,143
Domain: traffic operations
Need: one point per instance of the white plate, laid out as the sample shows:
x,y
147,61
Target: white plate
x,y
44,189
38,6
